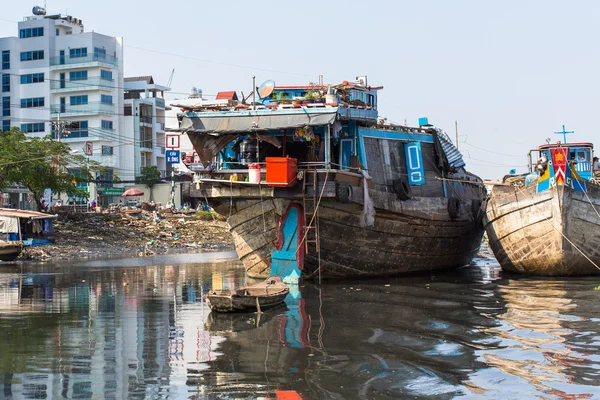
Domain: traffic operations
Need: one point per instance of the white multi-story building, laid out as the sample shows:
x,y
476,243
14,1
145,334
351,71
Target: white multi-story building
x,y
145,116
55,71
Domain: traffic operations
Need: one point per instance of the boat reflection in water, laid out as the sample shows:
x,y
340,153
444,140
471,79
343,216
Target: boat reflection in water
x,y
548,339
138,328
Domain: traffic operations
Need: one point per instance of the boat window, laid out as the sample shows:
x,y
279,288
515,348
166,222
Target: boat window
x,y
581,156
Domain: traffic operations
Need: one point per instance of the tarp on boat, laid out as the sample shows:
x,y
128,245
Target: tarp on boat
x,y
256,120
210,132
9,224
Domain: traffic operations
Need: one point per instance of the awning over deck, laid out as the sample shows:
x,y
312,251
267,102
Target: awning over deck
x,y
210,132
242,122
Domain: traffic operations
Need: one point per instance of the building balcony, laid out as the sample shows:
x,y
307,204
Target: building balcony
x,y
146,144
146,120
58,86
82,109
66,62
159,127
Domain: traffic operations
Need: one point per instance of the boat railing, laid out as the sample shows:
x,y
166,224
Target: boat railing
x,y
236,172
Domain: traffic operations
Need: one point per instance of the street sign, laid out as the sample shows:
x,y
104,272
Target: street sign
x,y
173,156
113,191
89,148
172,141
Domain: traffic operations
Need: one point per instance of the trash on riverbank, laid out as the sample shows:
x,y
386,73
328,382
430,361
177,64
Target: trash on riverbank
x,y
141,232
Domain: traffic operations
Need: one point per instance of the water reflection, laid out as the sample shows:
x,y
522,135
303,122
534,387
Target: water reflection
x,y
138,328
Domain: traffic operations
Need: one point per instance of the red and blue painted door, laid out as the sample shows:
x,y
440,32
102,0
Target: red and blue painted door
x,y
288,260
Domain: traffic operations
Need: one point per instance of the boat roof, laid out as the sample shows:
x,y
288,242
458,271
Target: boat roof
x,y
573,144
11,212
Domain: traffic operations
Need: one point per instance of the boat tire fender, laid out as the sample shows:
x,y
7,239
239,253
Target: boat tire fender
x,y
453,207
344,192
402,188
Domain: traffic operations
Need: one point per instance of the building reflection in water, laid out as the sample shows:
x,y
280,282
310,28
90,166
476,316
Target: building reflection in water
x,y
119,332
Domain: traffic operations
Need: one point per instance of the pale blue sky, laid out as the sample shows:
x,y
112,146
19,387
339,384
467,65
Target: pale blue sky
x,y
511,73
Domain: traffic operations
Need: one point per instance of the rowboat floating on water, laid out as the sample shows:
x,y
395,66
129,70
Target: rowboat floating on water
x,y
322,187
263,295
547,222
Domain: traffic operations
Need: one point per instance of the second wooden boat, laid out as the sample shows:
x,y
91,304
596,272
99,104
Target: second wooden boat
x,y
548,222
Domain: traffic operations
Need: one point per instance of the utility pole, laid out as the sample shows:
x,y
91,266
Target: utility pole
x,y
60,127
456,133
254,92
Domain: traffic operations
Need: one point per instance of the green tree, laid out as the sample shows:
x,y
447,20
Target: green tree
x,y
149,177
41,163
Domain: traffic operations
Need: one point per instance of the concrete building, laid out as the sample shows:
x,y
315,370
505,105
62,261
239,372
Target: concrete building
x,y
144,115
55,71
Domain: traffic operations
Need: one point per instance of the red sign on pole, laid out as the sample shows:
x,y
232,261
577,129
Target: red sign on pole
x,y
172,141
89,148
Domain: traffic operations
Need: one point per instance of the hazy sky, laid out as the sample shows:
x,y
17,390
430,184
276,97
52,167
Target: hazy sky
x,y
511,73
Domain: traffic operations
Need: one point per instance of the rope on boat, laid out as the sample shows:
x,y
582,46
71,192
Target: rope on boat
x,y
563,235
262,209
464,181
311,221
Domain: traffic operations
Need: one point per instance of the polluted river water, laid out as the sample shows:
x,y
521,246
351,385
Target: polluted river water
x,y
138,328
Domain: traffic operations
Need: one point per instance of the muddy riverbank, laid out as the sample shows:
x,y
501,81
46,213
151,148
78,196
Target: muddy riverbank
x,y
108,235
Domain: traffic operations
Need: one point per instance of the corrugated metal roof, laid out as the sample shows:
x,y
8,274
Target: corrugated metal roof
x,y
10,212
148,79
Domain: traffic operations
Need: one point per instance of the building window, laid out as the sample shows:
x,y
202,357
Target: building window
x,y
99,53
31,32
78,75
76,100
107,150
128,111
107,124
57,31
32,78
5,59
6,125
77,53
32,55
32,102
6,106
78,129
5,82
106,75
35,127
106,99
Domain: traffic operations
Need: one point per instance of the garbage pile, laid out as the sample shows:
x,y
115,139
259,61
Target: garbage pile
x,y
137,232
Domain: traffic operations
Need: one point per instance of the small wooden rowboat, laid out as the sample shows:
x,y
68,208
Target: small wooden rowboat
x,y
267,294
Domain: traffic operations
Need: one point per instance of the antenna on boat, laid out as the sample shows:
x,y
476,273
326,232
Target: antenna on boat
x,y
564,132
456,133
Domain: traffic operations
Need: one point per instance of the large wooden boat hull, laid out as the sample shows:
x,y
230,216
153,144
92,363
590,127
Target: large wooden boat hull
x,y
415,235
10,251
554,232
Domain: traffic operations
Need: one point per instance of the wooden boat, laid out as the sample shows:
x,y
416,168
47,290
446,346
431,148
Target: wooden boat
x,y
548,223
9,251
332,191
264,295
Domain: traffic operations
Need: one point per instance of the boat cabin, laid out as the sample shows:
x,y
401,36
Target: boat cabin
x,y
31,228
579,155
319,131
